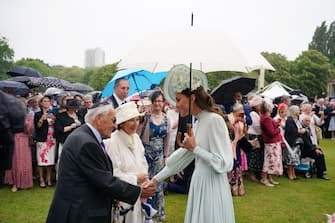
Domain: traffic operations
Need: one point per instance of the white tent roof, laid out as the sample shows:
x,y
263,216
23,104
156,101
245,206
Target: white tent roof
x,y
275,89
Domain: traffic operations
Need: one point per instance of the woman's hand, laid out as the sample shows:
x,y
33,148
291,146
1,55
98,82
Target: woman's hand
x,y
189,142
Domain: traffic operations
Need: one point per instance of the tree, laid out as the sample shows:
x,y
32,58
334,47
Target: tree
x,y
36,64
283,69
331,42
6,56
72,74
100,77
312,70
324,40
309,72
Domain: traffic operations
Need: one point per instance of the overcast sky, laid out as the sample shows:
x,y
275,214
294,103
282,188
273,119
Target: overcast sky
x,y
59,31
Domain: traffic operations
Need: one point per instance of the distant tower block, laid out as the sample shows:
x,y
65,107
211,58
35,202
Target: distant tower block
x,y
94,58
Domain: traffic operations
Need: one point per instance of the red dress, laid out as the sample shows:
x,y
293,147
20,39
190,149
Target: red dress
x,y
21,174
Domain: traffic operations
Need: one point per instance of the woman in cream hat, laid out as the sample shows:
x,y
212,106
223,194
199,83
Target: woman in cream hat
x,y
127,154
256,156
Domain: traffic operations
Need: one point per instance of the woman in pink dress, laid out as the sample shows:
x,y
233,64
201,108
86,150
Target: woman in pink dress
x,y
21,175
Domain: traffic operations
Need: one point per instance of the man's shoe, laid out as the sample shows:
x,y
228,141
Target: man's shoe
x,y
324,177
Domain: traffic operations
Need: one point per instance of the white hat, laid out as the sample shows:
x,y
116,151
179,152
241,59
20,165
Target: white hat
x,y
144,102
34,97
255,100
126,112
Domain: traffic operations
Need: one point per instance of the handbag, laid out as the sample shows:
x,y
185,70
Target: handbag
x,y
116,213
318,132
254,141
119,213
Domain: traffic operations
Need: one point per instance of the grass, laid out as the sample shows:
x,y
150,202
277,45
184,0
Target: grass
x,y
303,200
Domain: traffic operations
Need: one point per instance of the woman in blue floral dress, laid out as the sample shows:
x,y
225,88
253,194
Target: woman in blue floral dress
x,y
154,135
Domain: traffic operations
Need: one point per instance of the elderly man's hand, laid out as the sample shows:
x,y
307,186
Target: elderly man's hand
x,y
142,177
148,188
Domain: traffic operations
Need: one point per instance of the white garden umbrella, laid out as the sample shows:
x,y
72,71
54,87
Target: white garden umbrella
x,y
207,51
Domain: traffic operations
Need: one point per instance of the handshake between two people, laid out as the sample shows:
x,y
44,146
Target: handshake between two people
x,y
148,187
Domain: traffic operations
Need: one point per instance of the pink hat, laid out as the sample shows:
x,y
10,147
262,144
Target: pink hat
x,y
255,100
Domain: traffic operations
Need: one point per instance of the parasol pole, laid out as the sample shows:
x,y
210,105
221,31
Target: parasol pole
x,y
189,124
189,107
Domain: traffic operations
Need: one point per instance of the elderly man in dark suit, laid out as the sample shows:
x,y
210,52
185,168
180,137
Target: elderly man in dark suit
x,y
86,187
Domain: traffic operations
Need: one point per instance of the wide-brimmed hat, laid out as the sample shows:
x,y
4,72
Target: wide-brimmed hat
x,y
144,102
72,103
36,97
140,101
255,100
126,112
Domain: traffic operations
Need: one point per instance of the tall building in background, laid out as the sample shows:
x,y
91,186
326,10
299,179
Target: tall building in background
x,y
94,58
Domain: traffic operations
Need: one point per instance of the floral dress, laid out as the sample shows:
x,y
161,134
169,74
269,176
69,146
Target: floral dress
x,y
21,173
235,175
46,150
154,154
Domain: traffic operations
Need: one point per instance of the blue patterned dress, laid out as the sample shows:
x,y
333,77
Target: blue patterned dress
x,y
154,153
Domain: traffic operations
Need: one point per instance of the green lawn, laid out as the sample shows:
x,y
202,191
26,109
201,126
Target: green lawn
x,y
303,200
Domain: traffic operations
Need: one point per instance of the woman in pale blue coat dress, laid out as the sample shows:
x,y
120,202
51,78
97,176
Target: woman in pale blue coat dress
x,y
209,198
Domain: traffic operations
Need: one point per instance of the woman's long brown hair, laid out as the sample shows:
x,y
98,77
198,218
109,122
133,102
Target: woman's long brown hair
x,y
203,100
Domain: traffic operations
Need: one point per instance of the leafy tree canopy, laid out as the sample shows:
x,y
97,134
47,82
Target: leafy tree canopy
x,y
99,77
6,57
36,64
309,72
72,74
324,40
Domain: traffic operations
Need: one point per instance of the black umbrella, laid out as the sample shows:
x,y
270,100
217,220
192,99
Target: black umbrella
x,y
224,93
14,87
81,87
24,71
22,79
50,82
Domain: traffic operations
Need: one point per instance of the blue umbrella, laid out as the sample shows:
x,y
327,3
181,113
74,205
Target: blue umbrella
x,y
139,80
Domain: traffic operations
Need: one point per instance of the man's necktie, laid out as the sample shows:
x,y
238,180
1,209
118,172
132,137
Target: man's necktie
x,y
103,147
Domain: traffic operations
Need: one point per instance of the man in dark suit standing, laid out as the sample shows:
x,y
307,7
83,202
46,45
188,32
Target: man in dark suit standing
x,y
88,103
86,187
121,89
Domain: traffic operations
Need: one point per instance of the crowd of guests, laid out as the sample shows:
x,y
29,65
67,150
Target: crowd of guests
x,y
266,139
276,137
48,122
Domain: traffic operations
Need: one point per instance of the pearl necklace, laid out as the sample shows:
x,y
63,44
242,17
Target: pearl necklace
x,y
157,116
